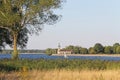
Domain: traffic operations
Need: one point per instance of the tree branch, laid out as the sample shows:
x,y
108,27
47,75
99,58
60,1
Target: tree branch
x,y
5,28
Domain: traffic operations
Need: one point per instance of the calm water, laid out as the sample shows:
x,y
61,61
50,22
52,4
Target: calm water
x,y
44,56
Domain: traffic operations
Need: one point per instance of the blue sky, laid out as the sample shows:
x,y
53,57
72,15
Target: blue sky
x,y
83,23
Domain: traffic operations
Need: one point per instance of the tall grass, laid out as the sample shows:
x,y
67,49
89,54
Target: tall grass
x,y
76,75
63,75
42,69
41,64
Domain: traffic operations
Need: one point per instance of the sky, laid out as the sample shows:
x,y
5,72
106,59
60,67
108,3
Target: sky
x,y
83,23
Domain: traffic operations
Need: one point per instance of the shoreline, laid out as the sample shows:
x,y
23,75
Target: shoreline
x,y
107,55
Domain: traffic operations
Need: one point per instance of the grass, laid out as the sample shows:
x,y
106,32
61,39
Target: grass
x,y
41,64
42,69
63,75
76,75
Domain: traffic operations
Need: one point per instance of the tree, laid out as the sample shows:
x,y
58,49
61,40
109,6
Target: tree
x,y
84,51
5,39
17,15
70,47
50,51
115,46
99,48
91,50
108,50
76,50
118,49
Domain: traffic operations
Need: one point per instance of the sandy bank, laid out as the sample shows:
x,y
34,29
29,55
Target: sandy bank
x,y
109,55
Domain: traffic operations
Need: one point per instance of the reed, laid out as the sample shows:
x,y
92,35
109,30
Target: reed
x,y
63,75
59,70
17,65
77,75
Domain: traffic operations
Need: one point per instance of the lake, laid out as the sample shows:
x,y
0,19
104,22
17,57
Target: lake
x,y
44,56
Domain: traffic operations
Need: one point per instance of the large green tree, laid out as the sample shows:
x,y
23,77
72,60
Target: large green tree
x,y
99,48
17,15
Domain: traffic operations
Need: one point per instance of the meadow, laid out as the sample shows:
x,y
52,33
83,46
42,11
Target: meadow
x,y
42,69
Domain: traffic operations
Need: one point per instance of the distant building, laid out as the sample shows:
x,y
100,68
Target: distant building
x,y
63,51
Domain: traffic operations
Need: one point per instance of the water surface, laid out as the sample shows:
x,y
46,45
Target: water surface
x,y
44,56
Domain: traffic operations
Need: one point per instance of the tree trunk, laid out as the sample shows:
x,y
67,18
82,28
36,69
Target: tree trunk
x,y
15,51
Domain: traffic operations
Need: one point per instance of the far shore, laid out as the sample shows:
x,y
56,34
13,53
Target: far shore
x,y
112,55
31,53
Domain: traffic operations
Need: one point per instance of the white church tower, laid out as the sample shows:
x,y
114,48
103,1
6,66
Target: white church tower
x,y
59,48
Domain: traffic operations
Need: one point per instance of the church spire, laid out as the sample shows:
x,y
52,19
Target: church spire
x,y
59,45
58,48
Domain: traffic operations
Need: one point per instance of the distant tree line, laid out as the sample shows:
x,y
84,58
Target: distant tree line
x,y
22,51
51,51
96,49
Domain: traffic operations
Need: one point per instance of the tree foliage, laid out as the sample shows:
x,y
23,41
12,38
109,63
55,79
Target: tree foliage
x,y
76,50
6,39
115,47
91,50
98,48
108,50
84,51
118,49
70,47
50,51
20,17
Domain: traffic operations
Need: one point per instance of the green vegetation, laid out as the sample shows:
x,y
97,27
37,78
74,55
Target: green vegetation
x,y
41,64
50,51
91,50
108,50
22,51
96,49
18,18
115,47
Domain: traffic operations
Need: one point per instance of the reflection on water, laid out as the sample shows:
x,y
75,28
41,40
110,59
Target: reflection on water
x,y
44,56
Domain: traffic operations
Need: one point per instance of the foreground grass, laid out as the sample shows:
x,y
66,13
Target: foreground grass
x,y
62,75
59,69
41,64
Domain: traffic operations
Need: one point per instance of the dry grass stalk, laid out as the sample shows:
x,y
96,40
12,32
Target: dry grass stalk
x,y
63,75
